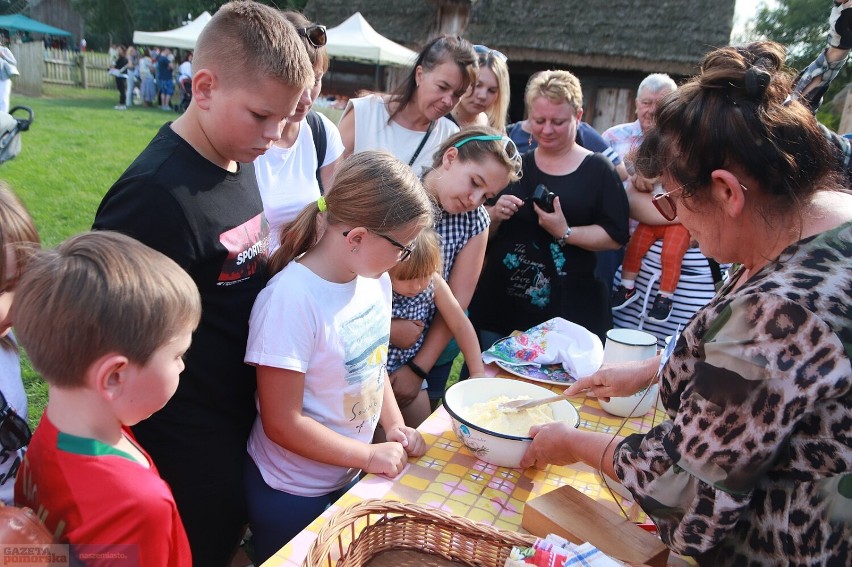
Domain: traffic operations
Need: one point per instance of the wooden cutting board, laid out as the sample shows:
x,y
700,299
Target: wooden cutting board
x,y
576,517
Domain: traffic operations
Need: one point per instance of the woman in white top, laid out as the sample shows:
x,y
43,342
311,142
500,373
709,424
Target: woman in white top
x,y
410,122
287,172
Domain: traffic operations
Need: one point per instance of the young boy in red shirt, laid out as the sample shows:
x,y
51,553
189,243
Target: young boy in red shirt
x,y
106,321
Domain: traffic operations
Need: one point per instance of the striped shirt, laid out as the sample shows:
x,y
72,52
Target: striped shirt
x,y
694,290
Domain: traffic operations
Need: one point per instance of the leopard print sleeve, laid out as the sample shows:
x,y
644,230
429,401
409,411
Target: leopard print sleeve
x,y
760,437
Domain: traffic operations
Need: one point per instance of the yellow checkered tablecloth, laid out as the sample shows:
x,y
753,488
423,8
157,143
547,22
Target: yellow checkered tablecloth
x,y
451,478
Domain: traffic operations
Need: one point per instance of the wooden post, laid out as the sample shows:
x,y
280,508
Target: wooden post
x,y
846,117
84,75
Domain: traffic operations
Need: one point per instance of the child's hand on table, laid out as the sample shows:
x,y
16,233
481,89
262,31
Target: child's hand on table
x,y
386,458
409,438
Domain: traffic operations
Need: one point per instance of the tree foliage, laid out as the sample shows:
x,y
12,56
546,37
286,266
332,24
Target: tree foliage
x,y
114,21
802,25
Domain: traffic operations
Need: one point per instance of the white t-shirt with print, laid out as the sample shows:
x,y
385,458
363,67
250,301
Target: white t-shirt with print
x,y
287,176
337,335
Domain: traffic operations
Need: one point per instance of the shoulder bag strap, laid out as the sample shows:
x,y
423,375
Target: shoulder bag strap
x,y
320,142
422,143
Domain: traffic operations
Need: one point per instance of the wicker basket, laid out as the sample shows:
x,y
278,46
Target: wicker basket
x,y
377,526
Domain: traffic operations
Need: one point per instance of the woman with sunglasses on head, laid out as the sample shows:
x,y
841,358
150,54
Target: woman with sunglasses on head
x,y
292,173
18,239
753,464
471,166
486,102
548,226
411,122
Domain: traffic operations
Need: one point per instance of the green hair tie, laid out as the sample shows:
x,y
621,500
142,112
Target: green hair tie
x,y
321,204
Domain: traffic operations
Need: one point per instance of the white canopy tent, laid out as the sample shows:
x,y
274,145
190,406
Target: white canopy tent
x,y
356,40
183,37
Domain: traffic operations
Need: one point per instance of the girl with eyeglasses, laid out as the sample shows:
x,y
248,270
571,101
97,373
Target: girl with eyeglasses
x,y
411,122
548,226
471,166
291,173
318,335
18,240
486,102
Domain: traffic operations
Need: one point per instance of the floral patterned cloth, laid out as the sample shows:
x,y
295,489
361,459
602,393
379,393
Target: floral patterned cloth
x,y
556,341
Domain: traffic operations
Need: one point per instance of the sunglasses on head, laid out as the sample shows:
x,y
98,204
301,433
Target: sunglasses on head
x,y
315,35
485,50
14,431
509,147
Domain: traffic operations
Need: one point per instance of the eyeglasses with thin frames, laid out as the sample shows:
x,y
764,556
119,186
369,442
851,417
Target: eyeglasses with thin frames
x,y
666,205
404,251
315,35
509,148
14,431
485,50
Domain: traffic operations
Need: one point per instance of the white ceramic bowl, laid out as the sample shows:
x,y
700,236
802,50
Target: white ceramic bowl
x,y
627,406
492,447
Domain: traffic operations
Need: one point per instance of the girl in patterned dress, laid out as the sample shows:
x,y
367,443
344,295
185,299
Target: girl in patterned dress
x,y
469,167
419,292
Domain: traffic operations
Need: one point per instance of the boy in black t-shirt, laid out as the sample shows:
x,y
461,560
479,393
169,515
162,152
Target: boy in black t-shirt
x,y
192,194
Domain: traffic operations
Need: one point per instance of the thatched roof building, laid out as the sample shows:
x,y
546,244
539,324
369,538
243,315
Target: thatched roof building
x,y
607,43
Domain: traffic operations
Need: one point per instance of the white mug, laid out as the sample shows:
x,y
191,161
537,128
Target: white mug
x,y
625,345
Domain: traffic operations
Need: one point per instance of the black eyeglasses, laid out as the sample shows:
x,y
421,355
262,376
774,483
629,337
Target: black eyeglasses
x,y
485,50
404,251
666,205
315,35
14,431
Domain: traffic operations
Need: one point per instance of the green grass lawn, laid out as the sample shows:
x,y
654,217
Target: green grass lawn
x,y
77,147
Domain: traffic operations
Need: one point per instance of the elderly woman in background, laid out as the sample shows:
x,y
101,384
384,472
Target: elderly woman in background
x,y
486,102
411,122
541,259
753,464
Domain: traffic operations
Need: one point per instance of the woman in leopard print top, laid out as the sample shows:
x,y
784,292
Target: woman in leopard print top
x,y
754,464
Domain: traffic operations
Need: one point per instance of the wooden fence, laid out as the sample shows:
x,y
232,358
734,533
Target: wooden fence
x,y
39,65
